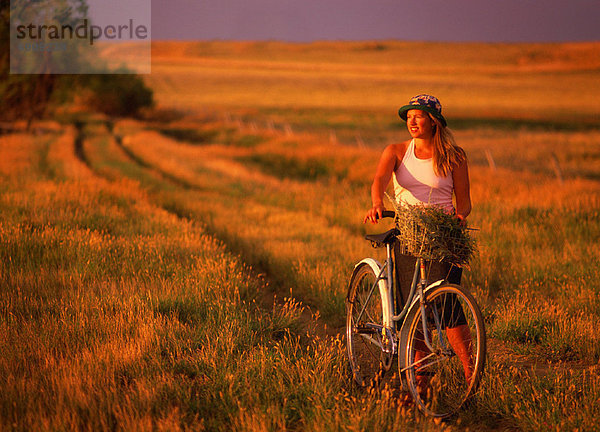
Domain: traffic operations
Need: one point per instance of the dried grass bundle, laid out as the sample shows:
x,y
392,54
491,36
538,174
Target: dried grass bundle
x,y
433,234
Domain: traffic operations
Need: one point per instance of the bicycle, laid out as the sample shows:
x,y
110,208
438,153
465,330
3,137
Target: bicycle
x,y
434,367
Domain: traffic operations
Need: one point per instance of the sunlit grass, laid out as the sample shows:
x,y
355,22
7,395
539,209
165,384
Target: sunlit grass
x,y
138,272
470,78
119,315
520,228
133,316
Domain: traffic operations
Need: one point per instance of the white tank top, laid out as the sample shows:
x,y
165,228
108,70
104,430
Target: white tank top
x,y
416,183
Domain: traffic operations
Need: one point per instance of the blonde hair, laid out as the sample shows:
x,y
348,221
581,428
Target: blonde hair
x,y
446,154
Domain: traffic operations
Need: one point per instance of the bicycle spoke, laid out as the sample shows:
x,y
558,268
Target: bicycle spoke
x,y
365,303
418,362
442,378
373,341
363,327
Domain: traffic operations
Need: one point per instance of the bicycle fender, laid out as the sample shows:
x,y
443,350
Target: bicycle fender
x,y
428,288
433,285
383,289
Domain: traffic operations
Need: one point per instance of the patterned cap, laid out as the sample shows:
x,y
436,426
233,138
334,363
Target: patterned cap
x,y
426,103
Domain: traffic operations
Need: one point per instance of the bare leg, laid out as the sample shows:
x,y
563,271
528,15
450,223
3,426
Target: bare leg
x,y
462,344
421,352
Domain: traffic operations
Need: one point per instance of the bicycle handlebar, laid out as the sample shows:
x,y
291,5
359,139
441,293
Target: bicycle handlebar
x,y
388,214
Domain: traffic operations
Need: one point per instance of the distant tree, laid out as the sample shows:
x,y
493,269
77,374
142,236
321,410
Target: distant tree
x,y
28,96
115,95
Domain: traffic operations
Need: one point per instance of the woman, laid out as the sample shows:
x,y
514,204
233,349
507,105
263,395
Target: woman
x,y
428,169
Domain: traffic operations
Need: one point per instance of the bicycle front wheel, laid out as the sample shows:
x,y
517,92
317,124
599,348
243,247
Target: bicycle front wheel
x,y
445,350
368,347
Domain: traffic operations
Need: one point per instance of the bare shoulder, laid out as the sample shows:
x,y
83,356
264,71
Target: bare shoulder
x,y
462,152
392,156
390,159
398,149
462,158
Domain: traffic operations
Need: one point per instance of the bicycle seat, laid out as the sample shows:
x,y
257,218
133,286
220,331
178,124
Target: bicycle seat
x,y
387,237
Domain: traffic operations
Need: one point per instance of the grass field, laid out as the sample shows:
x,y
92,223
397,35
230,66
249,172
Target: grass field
x,y
188,271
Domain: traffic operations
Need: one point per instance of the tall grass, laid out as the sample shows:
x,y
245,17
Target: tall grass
x,y
519,228
139,271
121,309
119,315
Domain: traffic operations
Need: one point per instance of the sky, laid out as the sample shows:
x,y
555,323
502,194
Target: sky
x,y
425,20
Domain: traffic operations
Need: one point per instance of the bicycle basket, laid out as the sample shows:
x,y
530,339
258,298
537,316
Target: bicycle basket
x,y
433,234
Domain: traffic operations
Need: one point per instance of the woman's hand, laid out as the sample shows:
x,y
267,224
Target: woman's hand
x,y
462,220
374,214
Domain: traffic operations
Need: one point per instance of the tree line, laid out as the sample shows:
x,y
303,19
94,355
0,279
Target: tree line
x,y
32,96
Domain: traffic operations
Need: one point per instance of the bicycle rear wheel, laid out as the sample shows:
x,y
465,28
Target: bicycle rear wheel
x,y
369,349
443,379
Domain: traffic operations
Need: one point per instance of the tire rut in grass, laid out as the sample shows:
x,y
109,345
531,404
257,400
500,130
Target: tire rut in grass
x,y
139,161
78,144
276,289
275,293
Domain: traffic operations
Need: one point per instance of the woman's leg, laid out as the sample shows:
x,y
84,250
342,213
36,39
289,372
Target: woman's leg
x,y
458,333
421,351
462,344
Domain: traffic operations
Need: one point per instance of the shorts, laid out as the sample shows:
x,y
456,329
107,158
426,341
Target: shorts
x,y
452,314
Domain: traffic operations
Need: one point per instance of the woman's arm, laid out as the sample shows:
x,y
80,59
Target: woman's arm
x,y
383,174
462,190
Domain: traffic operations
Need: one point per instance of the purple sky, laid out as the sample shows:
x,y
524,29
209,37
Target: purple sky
x,y
432,20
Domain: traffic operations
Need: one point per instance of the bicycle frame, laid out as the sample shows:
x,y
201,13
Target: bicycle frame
x,y
386,283
378,328
417,296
